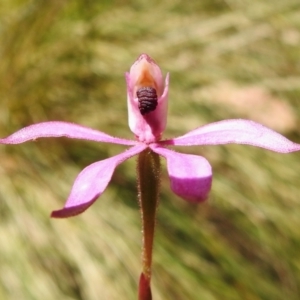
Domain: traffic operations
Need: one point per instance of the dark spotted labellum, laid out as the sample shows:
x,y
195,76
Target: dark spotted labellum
x,y
147,98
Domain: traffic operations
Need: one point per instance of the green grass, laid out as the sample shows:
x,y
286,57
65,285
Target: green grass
x,y
66,61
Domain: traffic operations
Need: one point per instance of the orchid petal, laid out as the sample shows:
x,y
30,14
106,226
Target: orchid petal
x,y
190,175
59,129
91,182
237,132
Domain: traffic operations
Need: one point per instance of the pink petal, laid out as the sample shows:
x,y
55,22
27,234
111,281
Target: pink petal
x,y
59,129
190,175
237,132
91,183
147,127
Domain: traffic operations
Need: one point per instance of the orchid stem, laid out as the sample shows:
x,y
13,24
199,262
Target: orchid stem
x,y
148,169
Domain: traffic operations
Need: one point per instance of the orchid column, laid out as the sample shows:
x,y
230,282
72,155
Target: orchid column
x,y
147,112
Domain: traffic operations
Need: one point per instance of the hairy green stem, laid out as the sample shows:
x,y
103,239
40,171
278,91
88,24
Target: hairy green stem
x,y
148,169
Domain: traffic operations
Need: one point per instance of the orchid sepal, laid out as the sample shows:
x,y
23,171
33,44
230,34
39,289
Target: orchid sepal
x,y
235,131
91,183
190,175
62,129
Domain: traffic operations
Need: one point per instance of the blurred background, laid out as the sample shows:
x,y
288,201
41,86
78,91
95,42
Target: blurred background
x,y
65,60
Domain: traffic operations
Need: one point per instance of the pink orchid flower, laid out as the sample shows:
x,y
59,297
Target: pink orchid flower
x,y
190,175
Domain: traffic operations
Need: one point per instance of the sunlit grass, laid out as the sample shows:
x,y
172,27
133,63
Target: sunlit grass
x,y
66,61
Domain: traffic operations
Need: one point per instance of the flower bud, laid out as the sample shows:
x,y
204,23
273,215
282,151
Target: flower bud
x,y
147,98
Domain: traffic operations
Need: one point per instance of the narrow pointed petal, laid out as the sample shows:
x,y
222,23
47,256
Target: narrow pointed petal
x,y
62,129
91,183
236,132
190,175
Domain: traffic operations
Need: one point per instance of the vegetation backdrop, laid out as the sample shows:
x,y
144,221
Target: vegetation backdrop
x,y
65,60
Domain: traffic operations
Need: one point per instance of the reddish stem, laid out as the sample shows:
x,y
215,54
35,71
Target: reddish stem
x,y
144,288
148,169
